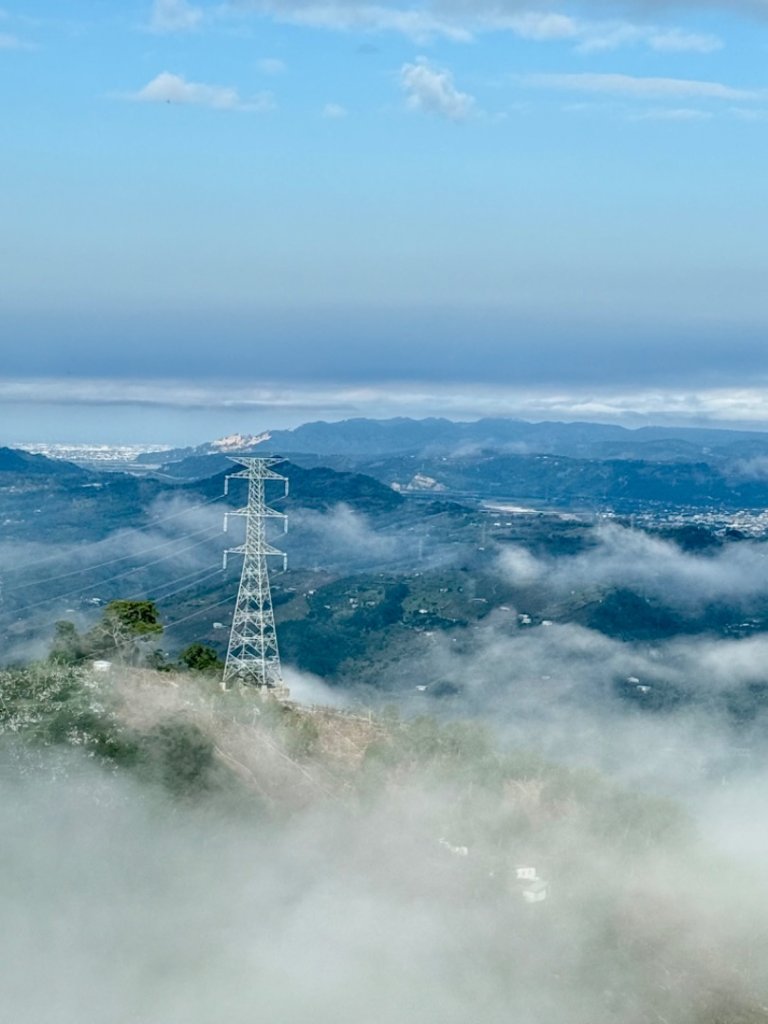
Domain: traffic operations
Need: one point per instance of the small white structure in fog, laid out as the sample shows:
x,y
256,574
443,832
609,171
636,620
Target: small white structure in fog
x,y
458,851
532,888
535,892
101,666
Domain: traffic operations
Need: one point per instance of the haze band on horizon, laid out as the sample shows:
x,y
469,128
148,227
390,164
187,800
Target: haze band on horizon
x,y
316,210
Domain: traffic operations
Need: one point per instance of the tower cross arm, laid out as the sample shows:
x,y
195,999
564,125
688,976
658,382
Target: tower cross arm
x,y
266,549
263,466
261,510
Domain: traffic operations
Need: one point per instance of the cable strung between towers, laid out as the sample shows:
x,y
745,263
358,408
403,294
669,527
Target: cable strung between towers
x,y
252,656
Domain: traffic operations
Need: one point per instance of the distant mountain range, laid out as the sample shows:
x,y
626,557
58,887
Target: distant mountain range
x,y
369,464
361,438
581,465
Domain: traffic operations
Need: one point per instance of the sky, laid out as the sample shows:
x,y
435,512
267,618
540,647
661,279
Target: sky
x,y
236,215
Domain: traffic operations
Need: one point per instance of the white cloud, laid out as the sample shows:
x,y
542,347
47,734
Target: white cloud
x,y
594,38
271,66
10,42
346,537
744,7
638,87
417,24
463,21
174,16
745,114
674,114
310,690
334,111
431,90
538,26
674,40
170,88
728,407
623,557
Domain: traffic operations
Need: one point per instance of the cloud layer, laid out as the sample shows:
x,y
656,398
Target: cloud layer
x,y
716,406
175,16
431,89
589,27
636,87
171,88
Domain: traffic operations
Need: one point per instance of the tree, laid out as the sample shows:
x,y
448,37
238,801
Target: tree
x,y
67,647
124,629
201,658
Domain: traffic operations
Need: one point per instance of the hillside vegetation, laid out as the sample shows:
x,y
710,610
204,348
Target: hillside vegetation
x,y
637,924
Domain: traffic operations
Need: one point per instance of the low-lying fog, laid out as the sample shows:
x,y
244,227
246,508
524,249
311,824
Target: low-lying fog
x,y
123,905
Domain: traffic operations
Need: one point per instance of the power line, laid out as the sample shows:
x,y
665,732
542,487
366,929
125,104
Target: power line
x,y
173,593
170,583
112,561
107,540
118,576
209,574
196,578
199,611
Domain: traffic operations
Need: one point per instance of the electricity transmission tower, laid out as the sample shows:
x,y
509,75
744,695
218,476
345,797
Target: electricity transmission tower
x,y
252,656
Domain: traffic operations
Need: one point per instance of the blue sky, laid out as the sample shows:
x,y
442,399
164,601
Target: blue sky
x,y
205,205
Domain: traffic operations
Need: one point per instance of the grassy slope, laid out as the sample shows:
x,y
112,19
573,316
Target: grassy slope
x,y
625,921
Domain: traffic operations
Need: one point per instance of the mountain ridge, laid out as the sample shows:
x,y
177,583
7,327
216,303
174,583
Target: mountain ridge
x,y
360,437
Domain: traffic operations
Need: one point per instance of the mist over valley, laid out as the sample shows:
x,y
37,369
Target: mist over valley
x,y
520,770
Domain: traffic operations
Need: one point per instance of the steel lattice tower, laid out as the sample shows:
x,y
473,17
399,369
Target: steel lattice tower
x,y
252,656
